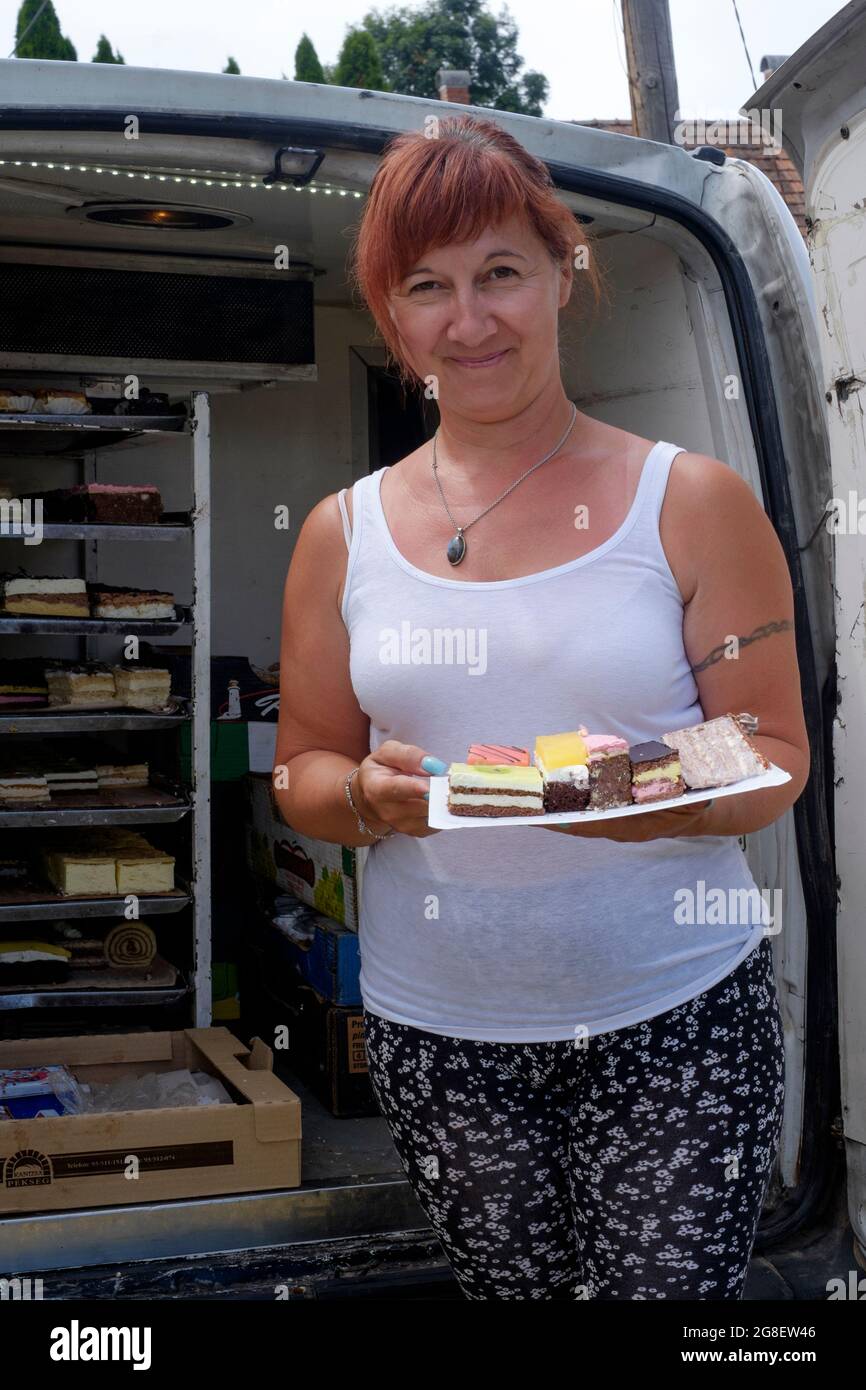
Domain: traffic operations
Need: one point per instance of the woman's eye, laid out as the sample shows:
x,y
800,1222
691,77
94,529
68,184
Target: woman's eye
x,y
423,285
509,270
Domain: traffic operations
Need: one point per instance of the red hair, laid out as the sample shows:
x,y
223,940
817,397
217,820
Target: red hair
x,y
429,192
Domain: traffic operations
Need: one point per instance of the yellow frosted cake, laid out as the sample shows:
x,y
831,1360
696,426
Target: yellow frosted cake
x,y
562,760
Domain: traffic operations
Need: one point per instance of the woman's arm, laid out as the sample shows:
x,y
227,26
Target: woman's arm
x,y
322,731
738,633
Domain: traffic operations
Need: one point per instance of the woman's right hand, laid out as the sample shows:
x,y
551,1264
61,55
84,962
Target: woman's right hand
x,y
389,789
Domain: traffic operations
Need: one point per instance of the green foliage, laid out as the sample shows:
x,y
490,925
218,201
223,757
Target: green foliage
x,y
44,39
359,64
105,54
307,65
414,44
232,67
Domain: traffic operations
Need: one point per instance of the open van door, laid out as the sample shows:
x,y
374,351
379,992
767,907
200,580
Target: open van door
x,y
821,94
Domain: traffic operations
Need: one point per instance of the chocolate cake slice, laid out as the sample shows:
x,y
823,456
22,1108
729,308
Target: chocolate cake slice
x,y
655,772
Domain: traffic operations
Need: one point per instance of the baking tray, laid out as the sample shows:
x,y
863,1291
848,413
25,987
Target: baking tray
x,y
440,818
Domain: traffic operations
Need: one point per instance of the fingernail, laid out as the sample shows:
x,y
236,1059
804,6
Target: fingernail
x,y
434,766
426,796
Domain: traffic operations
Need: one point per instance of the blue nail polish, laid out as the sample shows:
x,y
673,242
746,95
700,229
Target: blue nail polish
x,y
434,766
426,796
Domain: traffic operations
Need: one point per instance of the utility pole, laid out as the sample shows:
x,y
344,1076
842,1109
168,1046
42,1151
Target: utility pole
x,y
652,75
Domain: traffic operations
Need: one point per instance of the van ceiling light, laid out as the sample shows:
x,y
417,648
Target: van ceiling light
x,y
171,218
218,179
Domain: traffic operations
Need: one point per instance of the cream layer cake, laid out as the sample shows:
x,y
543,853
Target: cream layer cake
x,y
656,774
562,760
142,688
113,775
44,597
716,753
90,683
491,789
119,602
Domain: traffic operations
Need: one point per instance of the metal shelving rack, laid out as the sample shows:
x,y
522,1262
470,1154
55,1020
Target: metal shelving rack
x,y
82,435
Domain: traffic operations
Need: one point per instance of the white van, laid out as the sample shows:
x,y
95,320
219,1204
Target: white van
x,y
198,225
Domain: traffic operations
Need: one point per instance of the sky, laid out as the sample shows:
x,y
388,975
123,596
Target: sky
x,y
577,44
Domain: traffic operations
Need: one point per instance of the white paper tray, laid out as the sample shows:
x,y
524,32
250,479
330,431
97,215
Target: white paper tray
x,y
440,818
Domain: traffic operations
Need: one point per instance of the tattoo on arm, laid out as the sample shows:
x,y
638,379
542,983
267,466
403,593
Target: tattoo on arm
x,y
718,652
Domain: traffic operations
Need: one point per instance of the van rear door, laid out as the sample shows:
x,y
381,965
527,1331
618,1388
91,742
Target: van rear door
x,y
821,94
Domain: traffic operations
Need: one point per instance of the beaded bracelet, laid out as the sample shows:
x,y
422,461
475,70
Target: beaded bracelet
x,y
362,825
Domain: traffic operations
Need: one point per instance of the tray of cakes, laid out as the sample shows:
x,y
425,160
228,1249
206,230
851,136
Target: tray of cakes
x,y
578,776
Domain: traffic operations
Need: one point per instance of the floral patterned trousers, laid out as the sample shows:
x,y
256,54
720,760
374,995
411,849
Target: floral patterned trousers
x,y
632,1167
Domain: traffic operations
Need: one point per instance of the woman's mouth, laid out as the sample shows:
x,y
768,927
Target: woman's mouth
x,y
489,361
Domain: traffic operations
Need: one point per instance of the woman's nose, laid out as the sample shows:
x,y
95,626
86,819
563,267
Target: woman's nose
x,y
470,322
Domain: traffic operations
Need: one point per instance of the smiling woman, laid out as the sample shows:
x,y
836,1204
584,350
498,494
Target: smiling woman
x,y
609,576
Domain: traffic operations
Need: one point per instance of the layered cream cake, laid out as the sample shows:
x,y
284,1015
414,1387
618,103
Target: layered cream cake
x,y
113,775
716,753
494,789
91,683
142,687
116,601
562,760
656,774
44,597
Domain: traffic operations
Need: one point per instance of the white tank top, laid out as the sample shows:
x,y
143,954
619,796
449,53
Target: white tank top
x,y
514,933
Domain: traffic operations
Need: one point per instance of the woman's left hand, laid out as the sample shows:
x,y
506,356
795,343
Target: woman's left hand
x,y
651,825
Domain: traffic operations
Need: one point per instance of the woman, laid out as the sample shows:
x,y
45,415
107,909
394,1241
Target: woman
x,y
584,1089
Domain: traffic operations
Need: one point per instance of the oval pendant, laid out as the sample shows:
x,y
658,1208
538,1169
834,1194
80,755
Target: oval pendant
x,y
456,549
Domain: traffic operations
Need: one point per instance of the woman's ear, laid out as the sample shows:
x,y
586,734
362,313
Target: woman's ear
x,y
566,281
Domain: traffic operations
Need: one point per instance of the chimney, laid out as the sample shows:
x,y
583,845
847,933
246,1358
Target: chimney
x,y
770,62
453,84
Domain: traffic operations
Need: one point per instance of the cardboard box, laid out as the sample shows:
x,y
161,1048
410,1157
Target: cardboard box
x,y
326,1049
326,876
324,953
195,1151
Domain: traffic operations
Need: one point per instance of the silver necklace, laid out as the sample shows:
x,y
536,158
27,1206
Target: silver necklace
x,y
457,545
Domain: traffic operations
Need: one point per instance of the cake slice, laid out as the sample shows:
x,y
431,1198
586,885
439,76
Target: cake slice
x,y
22,683
90,683
716,753
499,754
105,503
655,772
31,790
610,774
43,596
147,870
142,687
491,789
562,760
112,775
118,601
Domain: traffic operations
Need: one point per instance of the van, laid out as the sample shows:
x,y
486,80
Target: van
x,y
211,217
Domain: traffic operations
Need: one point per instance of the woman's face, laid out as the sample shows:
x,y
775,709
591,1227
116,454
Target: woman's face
x,y
481,317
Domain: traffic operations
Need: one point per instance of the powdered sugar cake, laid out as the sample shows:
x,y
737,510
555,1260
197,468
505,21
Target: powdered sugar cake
x,y
716,753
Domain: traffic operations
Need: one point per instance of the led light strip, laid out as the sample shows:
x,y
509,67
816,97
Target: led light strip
x,y
237,182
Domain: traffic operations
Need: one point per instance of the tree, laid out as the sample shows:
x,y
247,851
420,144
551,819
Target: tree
x,y
359,64
232,67
414,44
42,38
105,54
307,65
